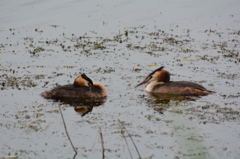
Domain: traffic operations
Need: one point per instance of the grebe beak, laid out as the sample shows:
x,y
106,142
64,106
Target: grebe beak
x,y
143,82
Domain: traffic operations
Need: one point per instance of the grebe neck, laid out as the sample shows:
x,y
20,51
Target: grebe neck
x,y
152,85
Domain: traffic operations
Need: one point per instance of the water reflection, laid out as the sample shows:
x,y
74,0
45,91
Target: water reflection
x,y
82,106
161,102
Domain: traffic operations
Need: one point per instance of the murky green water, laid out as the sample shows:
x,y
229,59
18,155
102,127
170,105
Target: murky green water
x,y
42,51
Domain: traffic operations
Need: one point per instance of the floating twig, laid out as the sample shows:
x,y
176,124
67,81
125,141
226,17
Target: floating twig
x,y
102,142
130,138
66,130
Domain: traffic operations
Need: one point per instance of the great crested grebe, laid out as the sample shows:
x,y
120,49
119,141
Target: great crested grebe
x,y
83,87
159,82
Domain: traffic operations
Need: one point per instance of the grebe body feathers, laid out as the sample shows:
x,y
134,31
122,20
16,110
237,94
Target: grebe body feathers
x,y
83,87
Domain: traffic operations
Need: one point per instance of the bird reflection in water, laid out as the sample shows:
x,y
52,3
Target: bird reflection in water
x,y
163,101
82,106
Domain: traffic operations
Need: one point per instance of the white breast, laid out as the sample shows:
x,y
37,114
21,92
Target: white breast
x,y
152,85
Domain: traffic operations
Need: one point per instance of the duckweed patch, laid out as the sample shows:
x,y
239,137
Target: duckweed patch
x,y
213,113
36,50
13,82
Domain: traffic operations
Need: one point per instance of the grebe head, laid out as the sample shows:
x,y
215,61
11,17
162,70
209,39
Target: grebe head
x,y
158,75
83,80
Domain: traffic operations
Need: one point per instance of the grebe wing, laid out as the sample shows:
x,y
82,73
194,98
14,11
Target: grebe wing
x,y
185,84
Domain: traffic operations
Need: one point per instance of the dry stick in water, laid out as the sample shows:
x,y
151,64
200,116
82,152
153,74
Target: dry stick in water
x,y
122,132
101,136
131,139
66,129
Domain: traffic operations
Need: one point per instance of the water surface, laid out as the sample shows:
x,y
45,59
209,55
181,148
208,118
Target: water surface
x,y
45,44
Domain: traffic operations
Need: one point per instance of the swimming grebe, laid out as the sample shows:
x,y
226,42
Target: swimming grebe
x,y
159,82
83,87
